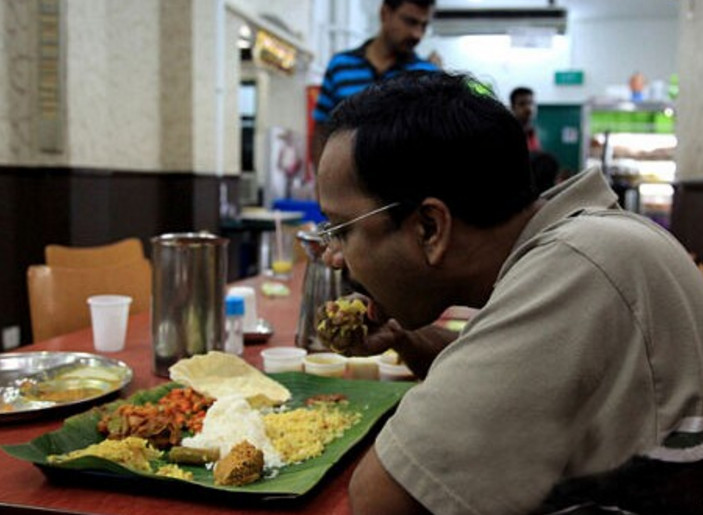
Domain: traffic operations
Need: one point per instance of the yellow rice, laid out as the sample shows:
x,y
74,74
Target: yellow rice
x,y
171,470
132,452
301,434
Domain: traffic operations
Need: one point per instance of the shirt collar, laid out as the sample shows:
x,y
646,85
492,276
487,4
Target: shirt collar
x,y
586,190
360,51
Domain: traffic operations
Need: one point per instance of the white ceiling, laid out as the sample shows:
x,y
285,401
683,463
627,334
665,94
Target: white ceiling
x,y
579,9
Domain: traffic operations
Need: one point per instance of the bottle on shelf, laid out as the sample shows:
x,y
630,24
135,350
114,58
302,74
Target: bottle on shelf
x,y
234,324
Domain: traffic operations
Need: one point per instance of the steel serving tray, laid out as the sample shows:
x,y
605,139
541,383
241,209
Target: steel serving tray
x,y
89,377
261,333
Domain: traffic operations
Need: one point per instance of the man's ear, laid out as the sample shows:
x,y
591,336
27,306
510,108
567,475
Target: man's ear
x,y
434,229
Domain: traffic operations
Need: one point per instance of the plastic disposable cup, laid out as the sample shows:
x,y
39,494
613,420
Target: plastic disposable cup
x,y
109,315
326,364
277,259
283,359
365,367
393,371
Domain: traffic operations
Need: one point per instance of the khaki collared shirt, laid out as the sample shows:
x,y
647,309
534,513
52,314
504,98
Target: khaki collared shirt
x,y
589,351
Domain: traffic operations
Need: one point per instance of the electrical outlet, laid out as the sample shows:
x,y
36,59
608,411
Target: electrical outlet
x,y
11,337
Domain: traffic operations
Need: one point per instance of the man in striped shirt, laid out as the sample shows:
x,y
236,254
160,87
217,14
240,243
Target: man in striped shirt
x,y
403,24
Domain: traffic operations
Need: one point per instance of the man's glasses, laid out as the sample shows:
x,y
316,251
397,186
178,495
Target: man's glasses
x,y
328,232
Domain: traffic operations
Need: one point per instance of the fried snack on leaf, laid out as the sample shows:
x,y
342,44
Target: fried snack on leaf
x,y
191,456
243,465
341,324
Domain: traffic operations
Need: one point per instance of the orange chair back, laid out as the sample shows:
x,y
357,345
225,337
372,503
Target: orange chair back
x,y
123,251
58,295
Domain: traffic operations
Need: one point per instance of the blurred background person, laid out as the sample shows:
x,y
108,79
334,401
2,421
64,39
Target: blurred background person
x,y
391,51
522,104
435,58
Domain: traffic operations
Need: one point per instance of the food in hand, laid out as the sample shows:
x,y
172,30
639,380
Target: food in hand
x,y
342,324
242,465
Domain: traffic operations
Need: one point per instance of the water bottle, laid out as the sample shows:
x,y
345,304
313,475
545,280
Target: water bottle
x,y
234,324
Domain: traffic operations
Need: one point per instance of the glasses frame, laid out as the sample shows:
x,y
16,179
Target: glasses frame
x,y
327,231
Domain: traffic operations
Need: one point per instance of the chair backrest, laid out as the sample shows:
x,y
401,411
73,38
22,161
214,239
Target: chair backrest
x,y
58,295
123,251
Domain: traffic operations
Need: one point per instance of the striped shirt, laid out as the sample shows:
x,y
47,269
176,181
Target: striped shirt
x,y
350,71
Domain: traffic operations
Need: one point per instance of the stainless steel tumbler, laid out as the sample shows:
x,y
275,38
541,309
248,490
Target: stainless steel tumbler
x,y
320,284
188,292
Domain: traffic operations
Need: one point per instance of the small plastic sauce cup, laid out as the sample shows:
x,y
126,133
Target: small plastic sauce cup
x,y
363,367
283,359
326,364
389,370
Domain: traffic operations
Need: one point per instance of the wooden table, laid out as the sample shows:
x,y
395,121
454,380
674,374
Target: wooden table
x,y
24,489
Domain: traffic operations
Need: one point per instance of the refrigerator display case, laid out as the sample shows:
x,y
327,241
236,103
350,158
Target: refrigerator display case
x,y
561,129
635,144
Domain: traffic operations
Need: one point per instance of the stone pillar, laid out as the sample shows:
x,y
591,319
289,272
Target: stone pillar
x,y
18,91
687,209
689,106
116,85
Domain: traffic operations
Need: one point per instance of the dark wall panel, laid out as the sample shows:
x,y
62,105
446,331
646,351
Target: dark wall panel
x,y
84,207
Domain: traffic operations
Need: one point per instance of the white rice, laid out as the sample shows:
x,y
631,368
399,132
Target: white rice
x,y
229,421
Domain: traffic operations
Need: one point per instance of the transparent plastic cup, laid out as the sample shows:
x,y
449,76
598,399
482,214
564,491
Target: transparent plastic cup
x,y
109,315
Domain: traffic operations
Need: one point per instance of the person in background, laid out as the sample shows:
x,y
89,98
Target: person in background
x,y
522,104
403,25
435,58
586,352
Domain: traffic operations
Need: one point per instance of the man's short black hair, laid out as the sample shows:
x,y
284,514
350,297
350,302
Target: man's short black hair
x,y
435,134
394,4
520,91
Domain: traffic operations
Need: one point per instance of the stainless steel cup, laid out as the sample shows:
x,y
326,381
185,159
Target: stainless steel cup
x,y
320,284
188,292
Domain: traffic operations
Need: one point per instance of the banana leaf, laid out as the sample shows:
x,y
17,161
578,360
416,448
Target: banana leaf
x,y
373,399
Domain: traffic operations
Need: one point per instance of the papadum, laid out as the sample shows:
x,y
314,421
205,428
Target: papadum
x,y
218,374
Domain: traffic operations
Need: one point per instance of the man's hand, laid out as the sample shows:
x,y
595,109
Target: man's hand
x,y
417,349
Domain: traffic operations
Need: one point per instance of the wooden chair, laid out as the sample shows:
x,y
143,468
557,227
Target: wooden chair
x,y
58,295
123,251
